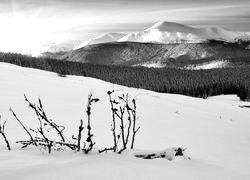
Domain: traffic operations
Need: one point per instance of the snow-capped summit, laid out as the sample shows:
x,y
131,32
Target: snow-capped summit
x,y
103,38
165,32
170,32
164,26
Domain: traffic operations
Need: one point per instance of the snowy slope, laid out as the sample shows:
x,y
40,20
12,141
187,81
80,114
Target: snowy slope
x,y
215,131
209,65
108,37
170,32
64,46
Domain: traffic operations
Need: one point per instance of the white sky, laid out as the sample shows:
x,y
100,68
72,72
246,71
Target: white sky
x,y
30,26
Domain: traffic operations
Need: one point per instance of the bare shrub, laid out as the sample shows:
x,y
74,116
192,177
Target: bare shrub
x,y
122,108
79,137
89,144
124,132
41,135
2,132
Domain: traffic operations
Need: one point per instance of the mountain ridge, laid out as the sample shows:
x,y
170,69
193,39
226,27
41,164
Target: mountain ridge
x,y
136,53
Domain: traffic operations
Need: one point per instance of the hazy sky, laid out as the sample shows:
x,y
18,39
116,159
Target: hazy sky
x,y
44,22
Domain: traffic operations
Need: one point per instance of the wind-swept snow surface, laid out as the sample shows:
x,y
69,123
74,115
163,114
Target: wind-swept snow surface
x,y
216,132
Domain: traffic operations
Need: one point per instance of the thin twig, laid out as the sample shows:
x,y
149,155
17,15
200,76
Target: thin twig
x,y
26,130
2,132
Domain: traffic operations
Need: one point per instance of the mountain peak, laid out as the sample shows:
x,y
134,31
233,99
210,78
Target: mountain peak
x,y
111,35
171,27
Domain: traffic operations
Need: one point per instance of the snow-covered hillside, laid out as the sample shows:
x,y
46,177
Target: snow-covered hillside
x,y
64,46
214,131
170,32
108,37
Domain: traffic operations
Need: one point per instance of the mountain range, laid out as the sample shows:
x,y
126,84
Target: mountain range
x,y
160,45
148,54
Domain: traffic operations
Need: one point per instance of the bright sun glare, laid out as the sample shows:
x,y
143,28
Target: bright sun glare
x,y
27,35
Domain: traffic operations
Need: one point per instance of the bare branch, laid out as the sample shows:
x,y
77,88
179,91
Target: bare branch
x,y
2,132
134,123
89,140
79,136
113,119
26,130
42,115
106,149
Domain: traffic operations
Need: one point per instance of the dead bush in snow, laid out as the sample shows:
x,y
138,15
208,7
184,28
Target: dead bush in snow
x,y
88,145
41,136
122,108
2,132
50,136
79,137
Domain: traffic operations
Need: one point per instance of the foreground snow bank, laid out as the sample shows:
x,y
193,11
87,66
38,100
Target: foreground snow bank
x,y
29,165
215,131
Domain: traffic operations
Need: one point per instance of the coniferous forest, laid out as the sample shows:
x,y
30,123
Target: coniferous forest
x,y
196,83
